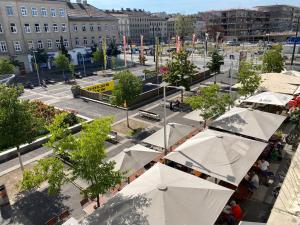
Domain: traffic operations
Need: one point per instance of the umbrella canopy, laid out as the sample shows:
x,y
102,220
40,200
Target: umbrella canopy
x,y
249,122
194,115
291,72
220,155
164,196
175,132
134,158
270,98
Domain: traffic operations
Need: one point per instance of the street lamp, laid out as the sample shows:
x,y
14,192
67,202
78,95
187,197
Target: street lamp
x,y
165,85
36,66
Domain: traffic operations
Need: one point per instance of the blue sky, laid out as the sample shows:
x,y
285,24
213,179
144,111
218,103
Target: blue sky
x,y
185,6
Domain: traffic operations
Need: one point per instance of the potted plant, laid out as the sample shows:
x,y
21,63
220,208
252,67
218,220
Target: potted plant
x,y
75,91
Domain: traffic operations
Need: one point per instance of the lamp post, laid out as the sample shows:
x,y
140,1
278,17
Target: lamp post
x,y
36,67
165,85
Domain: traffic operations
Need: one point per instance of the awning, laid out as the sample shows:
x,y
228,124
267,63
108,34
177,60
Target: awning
x,y
220,155
270,98
164,196
287,206
194,115
134,158
249,122
175,132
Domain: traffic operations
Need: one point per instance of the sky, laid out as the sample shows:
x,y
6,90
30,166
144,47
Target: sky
x,y
185,6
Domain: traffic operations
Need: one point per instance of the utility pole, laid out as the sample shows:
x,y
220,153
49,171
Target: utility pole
x,y
153,43
295,42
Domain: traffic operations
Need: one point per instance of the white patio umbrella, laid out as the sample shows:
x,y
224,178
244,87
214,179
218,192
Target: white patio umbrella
x,y
270,98
175,132
291,72
194,115
220,155
249,122
134,158
164,196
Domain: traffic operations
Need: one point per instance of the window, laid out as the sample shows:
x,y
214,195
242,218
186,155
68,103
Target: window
x,y
34,11
3,46
13,28
63,27
83,27
27,28
23,11
93,41
40,44
9,11
66,43
49,44
1,28
30,45
46,27
91,27
99,27
85,42
37,28
62,12
44,12
55,27
53,12
75,27
17,46
106,27
77,42
57,43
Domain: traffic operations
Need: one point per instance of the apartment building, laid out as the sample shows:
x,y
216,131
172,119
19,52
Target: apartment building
x,y
123,23
158,28
32,24
89,26
171,28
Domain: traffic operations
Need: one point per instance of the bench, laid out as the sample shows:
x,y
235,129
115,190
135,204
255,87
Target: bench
x,y
149,115
113,136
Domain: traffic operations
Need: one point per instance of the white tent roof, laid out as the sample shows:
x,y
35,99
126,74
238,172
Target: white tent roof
x,y
220,155
134,158
164,196
194,115
249,122
291,72
175,132
278,82
270,98
250,223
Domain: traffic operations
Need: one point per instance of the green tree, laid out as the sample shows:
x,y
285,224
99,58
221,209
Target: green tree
x,y
248,78
112,49
18,125
273,61
215,65
180,70
72,69
184,26
98,57
6,67
104,50
41,56
87,154
62,62
128,88
210,102
63,48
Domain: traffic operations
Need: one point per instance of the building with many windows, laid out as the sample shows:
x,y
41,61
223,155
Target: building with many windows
x,y
89,26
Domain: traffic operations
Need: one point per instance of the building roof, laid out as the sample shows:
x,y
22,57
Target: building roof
x,y
86,12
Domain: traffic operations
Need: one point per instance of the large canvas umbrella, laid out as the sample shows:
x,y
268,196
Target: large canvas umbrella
x,y
249,122
164,196
194,115
220,155
134,158
270,98
175,132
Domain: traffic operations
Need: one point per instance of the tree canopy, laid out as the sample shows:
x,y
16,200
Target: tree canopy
x,y
87,155
128,88
61,62
17,121
248,78
112,49
273,60
6,67
216,61
184,26
98,56
210,102
41,56
180,70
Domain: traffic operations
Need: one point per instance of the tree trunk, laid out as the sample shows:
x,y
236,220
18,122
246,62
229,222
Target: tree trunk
x,y
215,82
181,96
98,201
204,124
20,159
127,118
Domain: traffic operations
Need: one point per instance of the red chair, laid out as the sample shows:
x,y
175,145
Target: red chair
x,y
84,201
52,221
64,215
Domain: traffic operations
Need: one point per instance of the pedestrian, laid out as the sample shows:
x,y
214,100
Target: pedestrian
x,y
253,181
44,85
171,105
236,211
263,166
